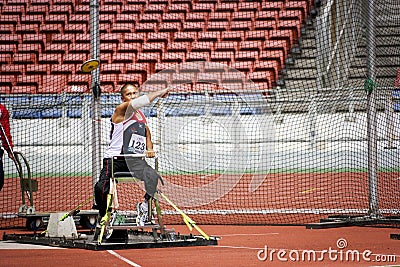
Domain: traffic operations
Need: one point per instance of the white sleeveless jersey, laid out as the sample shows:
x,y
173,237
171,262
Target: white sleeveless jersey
x,y
128,137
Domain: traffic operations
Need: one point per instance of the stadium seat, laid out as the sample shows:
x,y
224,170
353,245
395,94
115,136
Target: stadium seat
x,y
8,48
37,9
134,37
178,47
26,113
63,38
279,45
21,58
197,56
109,82
109,18
246,55
272,5
10,19
203,7
6,58
291,15
27,29
124,57
173,57
109,9
83,38
131,9
10,38
6,29
133,78
190,26
209,36
7,80
79,48
286,35
113,68
181,78
163,78
34,39
158,37
268,65
197,17
276,55
67,69
108,47
63,19
150,57
170,27
232,77
262,77
265,25
237,36
231,46
53,83
251,46
220,16
79,79
224,57
12,69
149,18
51,28
30,48
202,46
211,77
29,80
5,89
221,26
82,10
75,58
185,36
37,69
173,17
293,25
226,7
249,6
76,28
267,15
61,9
179,8
111,38
142,68
244,66
129,47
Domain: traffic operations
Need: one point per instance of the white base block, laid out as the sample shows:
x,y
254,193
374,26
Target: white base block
x,y
65,228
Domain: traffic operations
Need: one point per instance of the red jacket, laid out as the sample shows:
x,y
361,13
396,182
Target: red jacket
x,y
5,123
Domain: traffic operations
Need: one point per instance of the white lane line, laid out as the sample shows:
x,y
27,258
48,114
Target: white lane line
x,y
14,245
131,263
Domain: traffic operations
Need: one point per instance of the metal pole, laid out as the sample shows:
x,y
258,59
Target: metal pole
x,y
371,115
95,106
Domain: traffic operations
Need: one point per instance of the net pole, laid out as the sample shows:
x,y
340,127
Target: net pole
x,y
95,105
371,113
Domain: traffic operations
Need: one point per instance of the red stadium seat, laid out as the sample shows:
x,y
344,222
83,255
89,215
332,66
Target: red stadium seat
x,y
24,58
129,47
291,15
221,26
293,25
185,36
131,9
241,26
5,89
170,27
82,38
197,17
178,47
63,38
149,57
122,27
111,38
226,7
27,29
113,68
7,80
173,17
28,19
203,7
63,19
6,29
142,68
279,45
153,47
246,56
124,58
267,15
79,48
145,27
110,9
79,79
256,35
165,66
204,46
155,8
193,26
10,19
24,89
261,78
67,69
209,36
274,55
34,39
134,78
50,58
108,18
8,48
150,18
180,8
298,5
61,9
264,25
82,10
108,82
243,16
5,58
197,56
75,58
272,6
249,6
158,37
51,28
220,16
37,69
76,28
30,48
108,47
135,38
37,9
56,48
226,46
237,36
233,77
225,57
173,57
251,46
11,69
210,77
244,66
29,80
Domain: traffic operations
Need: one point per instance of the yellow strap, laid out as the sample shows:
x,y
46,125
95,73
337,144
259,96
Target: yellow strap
x,y
189,222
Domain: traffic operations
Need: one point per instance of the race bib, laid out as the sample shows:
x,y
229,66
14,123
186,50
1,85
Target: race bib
x,y
137,144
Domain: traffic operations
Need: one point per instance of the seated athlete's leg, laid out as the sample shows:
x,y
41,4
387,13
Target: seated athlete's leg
x,y
102,187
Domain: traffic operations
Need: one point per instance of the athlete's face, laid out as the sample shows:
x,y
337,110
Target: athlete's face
x,y
129,93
